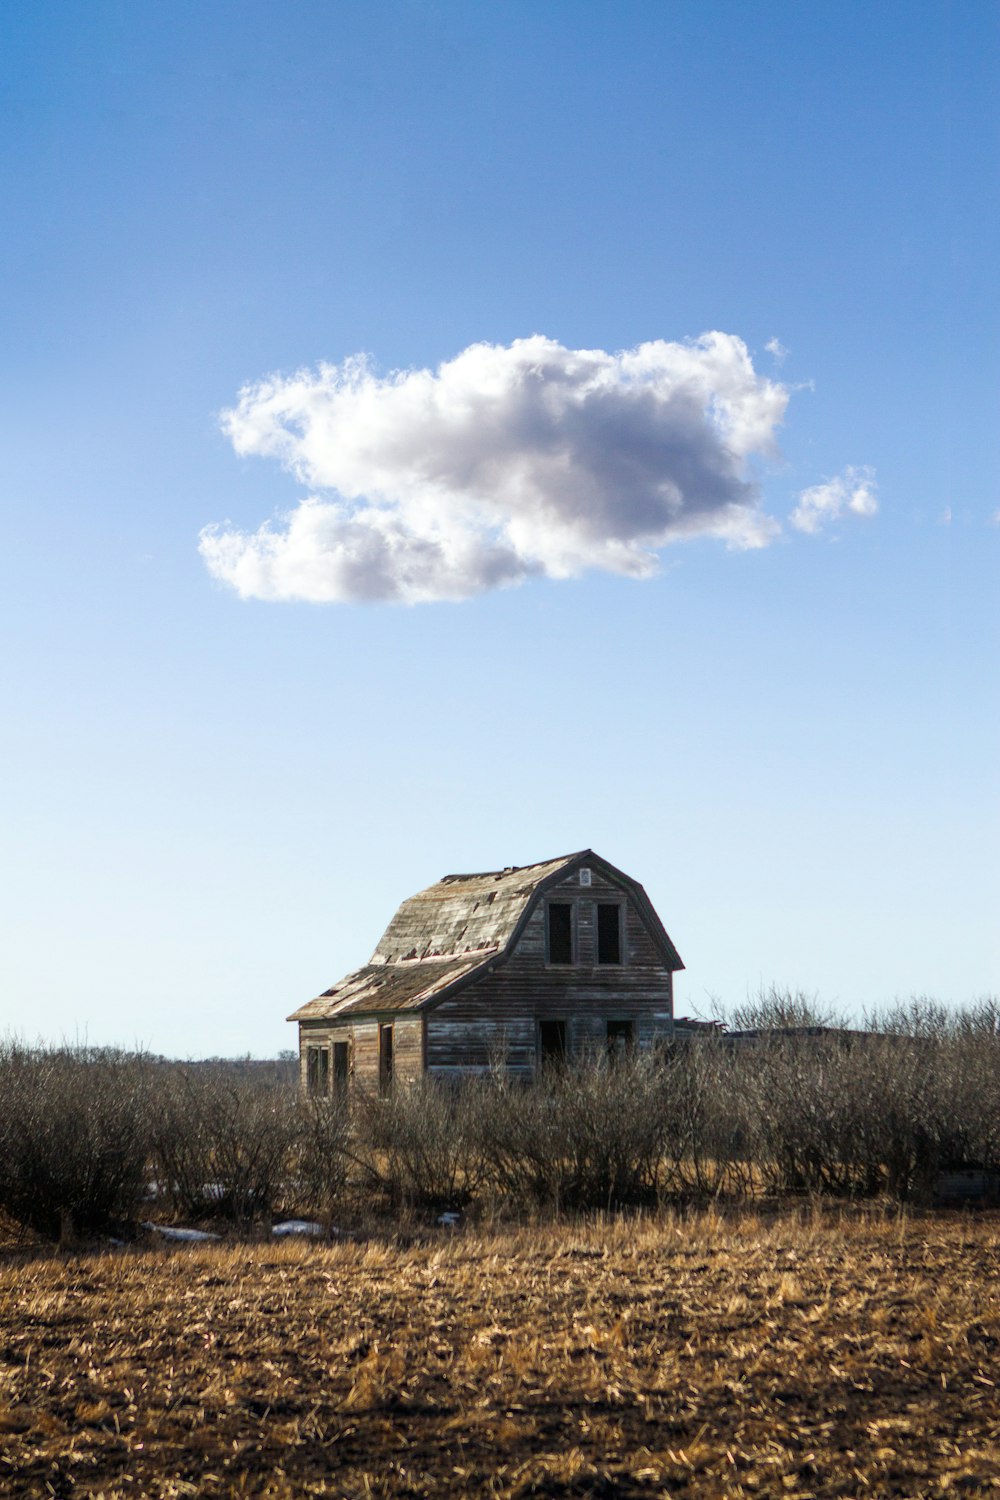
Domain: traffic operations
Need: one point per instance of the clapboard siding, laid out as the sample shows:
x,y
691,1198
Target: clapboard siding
x,y
497,1016
408,1048
479,1042
366,1053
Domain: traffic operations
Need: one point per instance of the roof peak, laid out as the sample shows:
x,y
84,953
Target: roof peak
x,y
556,860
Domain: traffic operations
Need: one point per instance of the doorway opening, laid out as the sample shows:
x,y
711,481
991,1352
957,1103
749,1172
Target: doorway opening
x,y
552,1043
340,1070
384,1057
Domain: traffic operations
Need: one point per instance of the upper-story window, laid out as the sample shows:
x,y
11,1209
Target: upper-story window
x,y
559,932
609,932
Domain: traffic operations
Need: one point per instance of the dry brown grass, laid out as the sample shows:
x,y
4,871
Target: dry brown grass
x,y
808,1355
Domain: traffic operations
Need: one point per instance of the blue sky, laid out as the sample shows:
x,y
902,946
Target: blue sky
x,y
211,803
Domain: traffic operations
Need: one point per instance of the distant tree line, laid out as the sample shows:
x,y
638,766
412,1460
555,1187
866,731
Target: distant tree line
x,y
785,1101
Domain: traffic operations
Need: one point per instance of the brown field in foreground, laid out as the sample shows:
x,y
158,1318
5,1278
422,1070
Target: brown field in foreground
x,y
807,1355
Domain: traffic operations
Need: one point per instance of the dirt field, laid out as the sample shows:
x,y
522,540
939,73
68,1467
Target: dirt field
x,y
802,1357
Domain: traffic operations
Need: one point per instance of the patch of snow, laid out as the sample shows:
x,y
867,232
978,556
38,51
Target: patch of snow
x,y
448,1220
301,1226
171,1232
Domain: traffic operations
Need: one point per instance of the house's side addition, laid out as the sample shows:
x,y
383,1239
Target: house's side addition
x,y
514,967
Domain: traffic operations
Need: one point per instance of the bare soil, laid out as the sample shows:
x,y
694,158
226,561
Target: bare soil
x,y
809,1355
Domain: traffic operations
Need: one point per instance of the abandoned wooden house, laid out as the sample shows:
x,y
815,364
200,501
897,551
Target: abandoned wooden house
x,y
523,966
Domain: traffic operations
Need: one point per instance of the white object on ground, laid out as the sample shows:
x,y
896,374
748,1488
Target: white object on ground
x,y
448,1220
171,1232
301,1226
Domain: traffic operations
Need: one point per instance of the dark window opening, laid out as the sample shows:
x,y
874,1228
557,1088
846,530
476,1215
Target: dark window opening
x,y
385,1058
552,1042
318,1071
560,933
609,933
621,1038
340,1069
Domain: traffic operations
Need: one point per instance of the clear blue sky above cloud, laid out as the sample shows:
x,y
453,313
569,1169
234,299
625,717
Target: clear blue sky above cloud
x,y
212,804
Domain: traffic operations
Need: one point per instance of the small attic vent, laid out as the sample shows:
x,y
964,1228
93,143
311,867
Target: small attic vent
x,y
584,877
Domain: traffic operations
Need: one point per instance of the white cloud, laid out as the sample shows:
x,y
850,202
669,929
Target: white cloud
x,y
505,462
852,492
776,348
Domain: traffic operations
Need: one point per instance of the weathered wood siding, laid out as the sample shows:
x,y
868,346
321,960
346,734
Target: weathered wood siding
x,y
362,1038
408,1048
497,1016
365,1071
321,1034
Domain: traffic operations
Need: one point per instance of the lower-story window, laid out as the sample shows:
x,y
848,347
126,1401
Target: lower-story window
x,y
621,1038
318,1071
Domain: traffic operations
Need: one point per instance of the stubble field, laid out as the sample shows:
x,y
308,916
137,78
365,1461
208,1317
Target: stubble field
x,y
807,1355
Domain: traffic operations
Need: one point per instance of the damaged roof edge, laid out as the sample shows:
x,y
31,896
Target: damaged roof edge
x,y
559,859
416,1000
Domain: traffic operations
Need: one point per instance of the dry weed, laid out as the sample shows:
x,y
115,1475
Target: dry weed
x,y
809,1355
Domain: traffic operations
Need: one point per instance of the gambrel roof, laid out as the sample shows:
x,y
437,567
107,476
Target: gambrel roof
x,y
449,934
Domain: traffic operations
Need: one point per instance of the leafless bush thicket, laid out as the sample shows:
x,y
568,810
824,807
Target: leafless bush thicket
x,y
598,1135
786,1101
709,1123
73,1136
879,1108
321,1157
222,1142
583,1137
423,1143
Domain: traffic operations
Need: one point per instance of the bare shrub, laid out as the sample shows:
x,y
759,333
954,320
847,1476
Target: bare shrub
x,y
586,1136
808,1097
972,1092
73,1136
706,1129
777,1009
321,1155
421,1143
803,1114
938,1091
905,1125
222,1143
884,1108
